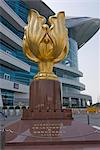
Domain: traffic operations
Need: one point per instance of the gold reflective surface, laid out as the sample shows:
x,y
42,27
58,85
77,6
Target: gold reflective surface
x,y
45,45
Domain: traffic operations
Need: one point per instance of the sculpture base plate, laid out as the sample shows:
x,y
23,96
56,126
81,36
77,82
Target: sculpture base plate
x,y
29,133
45,76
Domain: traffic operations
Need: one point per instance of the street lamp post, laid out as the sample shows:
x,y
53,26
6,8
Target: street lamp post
x,y
88,117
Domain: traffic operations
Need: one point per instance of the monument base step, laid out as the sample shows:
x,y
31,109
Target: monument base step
x,y
44,114
50,132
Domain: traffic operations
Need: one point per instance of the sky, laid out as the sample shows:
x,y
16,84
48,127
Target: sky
x,y
89,54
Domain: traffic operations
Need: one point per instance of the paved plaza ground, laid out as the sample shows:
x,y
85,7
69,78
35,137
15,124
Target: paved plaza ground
x,y
94,118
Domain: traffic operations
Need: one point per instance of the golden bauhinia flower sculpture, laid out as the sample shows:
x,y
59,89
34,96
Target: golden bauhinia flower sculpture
x,y
45,45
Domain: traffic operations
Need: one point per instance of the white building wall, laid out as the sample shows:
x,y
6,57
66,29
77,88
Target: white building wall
x,y
69,69
14,61
72,82
8,33
9,10
9,85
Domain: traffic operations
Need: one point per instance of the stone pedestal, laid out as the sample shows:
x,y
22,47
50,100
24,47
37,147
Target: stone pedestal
x,y
45,101
45,95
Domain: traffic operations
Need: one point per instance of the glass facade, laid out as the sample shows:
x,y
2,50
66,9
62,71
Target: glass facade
x,y
7,97
73,53
8,71
7,48
19,8
71,60
11,27
19,76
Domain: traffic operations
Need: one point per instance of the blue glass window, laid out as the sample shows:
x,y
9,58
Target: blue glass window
x,y
7,97
11,27
71,59
6,70
6,47
19,7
